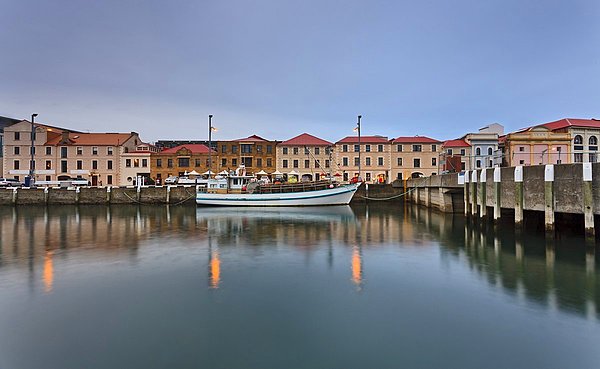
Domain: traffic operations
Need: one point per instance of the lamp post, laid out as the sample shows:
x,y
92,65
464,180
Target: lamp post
x,y
359,158
210,131
32,147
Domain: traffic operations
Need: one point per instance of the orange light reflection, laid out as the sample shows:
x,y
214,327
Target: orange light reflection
x,y
48,275
215,270
356,267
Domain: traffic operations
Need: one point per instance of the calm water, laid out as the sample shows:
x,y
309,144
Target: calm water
x,y
361,287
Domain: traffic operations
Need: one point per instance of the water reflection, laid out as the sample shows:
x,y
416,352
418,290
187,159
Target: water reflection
x,y
36,242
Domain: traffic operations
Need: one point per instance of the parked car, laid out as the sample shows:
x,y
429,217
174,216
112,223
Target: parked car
x,y
171,180
10,182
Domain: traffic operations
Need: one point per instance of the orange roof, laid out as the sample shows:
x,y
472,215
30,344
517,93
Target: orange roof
x,y
305,139
194,148
456,143
92,139
253,138
572,122
363,139
415,139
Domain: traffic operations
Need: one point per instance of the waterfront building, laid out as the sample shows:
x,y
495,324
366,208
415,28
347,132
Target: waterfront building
x,y
179,160
307,155
255,152
455,156
61,154
534,146
485,151
415,156
136,163
374,158
4,122
584,133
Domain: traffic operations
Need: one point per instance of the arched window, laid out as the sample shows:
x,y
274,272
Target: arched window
x,y
593,141
578,140
478,151
489,151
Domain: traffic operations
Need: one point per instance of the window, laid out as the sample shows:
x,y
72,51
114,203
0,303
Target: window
x,y
295,163
417,148
463,165
16,164
63,152
478,151
32,150
399,148
224,149
521,162
578,157
317,151
462,152
367,148
79,165
95,164
246,148
234,162
259,162
317,164
109,150
491,163
521,148
79,150
136,163
399,162
593,157
169,163
109,179
234,150
345,177
128,163
269,162
182,162
224,162
306,151
269,149
433,148
344,148
449,151
478,164
368,161
380,161
356,148
247,161
417,163
434,161
63,166
258,148
159,163
490,151
95,150
285,163
17,150
379,148
109,165
327,163
367,176
48,150
17,136
295,150
356,161
306,163
593,140
345,162
48,164
578,140
197,162
285,150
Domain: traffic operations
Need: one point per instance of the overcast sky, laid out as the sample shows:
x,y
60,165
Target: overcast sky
x,y
278,68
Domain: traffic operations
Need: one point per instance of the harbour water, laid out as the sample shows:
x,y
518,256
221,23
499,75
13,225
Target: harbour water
x,y
381,286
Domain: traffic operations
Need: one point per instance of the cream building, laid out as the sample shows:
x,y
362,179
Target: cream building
x,y
307,155
413,157
455,156
61,154
136,163
584,134
373,155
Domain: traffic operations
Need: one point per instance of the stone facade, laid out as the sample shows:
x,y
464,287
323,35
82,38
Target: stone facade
x,y
373,153
414,157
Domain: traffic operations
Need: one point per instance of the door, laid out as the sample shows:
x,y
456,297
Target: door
x,y
94,180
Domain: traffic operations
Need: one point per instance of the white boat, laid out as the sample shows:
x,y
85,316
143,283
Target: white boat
x,y
301,194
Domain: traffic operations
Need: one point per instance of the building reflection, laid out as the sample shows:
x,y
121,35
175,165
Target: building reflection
x,y
214,266
48,274
357,272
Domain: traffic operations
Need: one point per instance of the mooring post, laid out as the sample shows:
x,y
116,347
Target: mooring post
x,y
549,198
483,193
77,189
497,194
588,202
108,193
14,196
466,186
474,193
168,194
427,197
46,190
519,196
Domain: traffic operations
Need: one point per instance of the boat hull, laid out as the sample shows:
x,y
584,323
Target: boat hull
x,y
330,196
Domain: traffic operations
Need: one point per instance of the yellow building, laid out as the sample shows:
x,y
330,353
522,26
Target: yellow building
x,y
371,157
415,156
305,154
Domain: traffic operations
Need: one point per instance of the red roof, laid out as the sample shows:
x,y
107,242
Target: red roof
x,y
456,143
305,139
92,139
253,138
414,139
194,148
363,139
571,122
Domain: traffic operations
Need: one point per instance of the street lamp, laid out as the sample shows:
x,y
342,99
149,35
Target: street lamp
x,y
359,159
210,131
32,147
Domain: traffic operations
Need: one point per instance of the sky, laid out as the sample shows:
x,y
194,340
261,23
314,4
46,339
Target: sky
x,y
280,68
